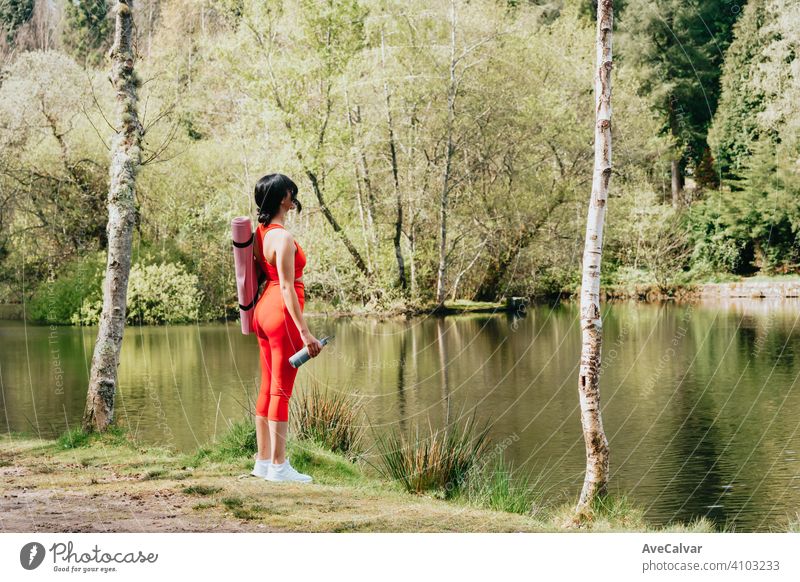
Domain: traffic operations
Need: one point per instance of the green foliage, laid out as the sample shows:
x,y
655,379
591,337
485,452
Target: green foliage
x,y
13,14
678,47
735,125
56,300
87,29
756,228
163,293
306,88
159,293
647,243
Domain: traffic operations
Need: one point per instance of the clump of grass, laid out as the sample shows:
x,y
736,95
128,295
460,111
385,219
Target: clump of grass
x,y
76,437
153,474
439,460
73,439
201,490
617,512
239,441
794,525
231,502
496,487
331,419
203,505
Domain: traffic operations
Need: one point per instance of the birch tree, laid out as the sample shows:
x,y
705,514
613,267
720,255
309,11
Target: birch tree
x,y
594,436
125,162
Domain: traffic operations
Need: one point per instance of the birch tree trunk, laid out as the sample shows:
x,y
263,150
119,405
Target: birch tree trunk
x,y
596,478
125,161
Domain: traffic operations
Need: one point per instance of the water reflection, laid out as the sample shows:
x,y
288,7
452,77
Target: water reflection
x,y
700,402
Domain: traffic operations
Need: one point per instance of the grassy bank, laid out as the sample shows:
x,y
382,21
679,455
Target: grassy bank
x,y
112,483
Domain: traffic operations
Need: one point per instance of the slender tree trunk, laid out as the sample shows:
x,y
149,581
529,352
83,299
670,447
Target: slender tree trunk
x,y
398,225
596,478
312,176
451,98
365,232
677,183
326,212
125,161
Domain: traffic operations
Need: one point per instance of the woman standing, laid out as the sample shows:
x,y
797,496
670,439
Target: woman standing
x,y
279,324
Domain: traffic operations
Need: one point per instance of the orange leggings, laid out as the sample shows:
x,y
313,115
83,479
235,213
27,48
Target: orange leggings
x,y
278,339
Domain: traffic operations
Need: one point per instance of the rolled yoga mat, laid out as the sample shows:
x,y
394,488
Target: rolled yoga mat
x,y
245,268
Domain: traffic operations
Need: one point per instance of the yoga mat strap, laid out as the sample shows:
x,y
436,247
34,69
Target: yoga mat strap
x,y
242,245
250,305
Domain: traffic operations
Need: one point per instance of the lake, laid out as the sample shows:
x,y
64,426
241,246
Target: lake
x,y
700,401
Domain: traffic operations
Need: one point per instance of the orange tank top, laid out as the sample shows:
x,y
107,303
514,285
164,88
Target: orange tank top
x,y
271,270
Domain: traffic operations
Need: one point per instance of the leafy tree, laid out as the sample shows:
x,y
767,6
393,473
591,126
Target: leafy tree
x,y
679,46
735,125
13,14
87,27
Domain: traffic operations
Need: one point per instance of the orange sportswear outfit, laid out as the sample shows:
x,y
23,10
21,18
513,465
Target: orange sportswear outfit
x,y
278,336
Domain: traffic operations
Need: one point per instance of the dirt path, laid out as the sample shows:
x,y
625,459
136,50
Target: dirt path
x,y
112,489
33,501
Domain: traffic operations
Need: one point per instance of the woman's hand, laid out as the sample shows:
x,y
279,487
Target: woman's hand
x,y
313,344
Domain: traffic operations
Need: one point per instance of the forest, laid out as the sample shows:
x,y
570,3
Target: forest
x,y
442,151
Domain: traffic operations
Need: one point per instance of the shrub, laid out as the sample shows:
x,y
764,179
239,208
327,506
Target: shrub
x,y
79,281
160,293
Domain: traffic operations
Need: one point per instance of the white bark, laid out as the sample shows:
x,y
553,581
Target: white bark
x,y
125,162
596,477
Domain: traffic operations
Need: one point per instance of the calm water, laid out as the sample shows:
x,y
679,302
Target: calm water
x,y
701,403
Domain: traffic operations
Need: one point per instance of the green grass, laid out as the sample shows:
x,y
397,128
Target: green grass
x,y
437,460
495,487
238,446
615,512
332,419
345,495
77,438
239,442
201,490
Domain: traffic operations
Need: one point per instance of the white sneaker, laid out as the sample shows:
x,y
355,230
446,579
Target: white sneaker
x,y
285,472
261,467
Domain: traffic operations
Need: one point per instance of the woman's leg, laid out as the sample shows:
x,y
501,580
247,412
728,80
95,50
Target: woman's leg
x,y
285,342
263,439
278,432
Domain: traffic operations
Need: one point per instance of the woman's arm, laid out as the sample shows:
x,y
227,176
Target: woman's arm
x,y
284,257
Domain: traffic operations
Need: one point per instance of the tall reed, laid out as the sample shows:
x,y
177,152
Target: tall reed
x,y
435,460
330,418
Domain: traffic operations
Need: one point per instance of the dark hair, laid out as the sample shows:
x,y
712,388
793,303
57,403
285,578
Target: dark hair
x,y
270,191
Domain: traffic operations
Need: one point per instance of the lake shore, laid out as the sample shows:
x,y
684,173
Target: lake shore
x,y
112,484
746,288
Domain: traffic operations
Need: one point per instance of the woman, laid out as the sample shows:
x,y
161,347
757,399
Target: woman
x,y
279,324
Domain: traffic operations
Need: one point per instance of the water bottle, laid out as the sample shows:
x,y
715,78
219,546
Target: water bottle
x,y
303,356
